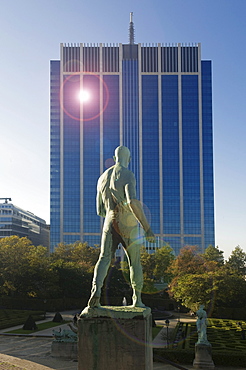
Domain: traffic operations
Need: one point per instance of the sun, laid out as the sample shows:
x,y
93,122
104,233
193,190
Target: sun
x,y
84,96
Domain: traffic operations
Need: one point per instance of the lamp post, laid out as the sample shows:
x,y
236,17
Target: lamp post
x,y
178,313
45,308
167,325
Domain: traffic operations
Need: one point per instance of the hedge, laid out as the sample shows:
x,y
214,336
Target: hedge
x,y
186,357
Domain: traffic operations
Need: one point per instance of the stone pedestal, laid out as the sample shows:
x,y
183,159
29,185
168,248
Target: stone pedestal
x,y
115,338
203,357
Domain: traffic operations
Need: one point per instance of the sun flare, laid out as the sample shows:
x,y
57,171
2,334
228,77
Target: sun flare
x,y
84,96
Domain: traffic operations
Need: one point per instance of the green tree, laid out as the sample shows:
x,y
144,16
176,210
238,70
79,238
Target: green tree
x,y
117,283
74,264
214,254
79,253
24,269
214,289
148,263
163,257
74,280
237,261
193,289
205,279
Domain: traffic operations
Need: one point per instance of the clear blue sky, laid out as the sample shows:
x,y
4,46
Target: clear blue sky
x,y
31,32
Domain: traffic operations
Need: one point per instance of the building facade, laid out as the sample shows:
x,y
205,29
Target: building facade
x,y
157,101
16,221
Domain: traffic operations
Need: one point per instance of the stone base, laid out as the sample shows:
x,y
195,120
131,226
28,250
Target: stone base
x,y
64,350
203,357
120,338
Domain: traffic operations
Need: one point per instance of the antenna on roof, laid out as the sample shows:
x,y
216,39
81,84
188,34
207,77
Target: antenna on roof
x,y
131,30
6,200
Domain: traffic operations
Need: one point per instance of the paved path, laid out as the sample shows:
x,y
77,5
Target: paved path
x,y
33,352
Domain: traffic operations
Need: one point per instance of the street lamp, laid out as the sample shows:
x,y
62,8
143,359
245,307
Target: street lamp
x,y
167,325
178,313
45,308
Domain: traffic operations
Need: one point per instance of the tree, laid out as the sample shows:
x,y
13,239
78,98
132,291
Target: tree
x,y
74,264
237,261
214,254
189,261
192,290
74,280
163,259
79,253
148,263
117,282
214,289
24,268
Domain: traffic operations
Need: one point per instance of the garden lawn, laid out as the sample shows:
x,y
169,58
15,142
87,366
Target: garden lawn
x,y
156,330
10,318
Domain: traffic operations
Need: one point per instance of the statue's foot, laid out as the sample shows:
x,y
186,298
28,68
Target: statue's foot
x,y
138,303
94,302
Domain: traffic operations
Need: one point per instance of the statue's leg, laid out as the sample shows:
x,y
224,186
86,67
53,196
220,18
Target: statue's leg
x,y
101,268
136,272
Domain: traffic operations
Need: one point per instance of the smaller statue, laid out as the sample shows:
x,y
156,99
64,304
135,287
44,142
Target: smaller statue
x,y
64,335
201,325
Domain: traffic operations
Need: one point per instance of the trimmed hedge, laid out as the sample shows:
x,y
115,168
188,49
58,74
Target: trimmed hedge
x,y
235,313
10,318
225,336
220,358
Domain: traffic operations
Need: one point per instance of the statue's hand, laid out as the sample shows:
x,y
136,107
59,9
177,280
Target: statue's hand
x,y
150,236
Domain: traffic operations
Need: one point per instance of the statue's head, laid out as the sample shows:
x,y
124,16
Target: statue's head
x,y
122,155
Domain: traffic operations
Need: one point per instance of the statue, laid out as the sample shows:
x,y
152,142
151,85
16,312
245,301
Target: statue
x,y
64,335
116,201
203,349
201,325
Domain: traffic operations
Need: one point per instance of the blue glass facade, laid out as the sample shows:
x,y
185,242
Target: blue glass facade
x,y
150,143
170,153
55,153
71,156
130,102
191,157
207,137
156,100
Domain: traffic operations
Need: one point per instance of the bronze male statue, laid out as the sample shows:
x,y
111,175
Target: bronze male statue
x,y
116,201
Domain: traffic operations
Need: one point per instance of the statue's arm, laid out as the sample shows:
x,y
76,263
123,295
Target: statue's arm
x,y
100,206
137,209
138,212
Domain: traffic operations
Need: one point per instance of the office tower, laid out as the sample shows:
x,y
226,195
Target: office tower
x,y
154,99
16,221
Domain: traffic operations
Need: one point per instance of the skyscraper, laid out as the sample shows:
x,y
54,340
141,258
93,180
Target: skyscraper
x,y
154,99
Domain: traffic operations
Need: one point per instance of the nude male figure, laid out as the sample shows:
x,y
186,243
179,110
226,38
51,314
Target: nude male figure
x,y
116,201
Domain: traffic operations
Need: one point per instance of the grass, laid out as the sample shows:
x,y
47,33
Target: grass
x,y
156,330
43,326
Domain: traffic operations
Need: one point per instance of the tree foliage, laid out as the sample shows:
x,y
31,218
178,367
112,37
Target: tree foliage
x,y
214,254
194,278
29,271
24,268
237,261
205,279
189,261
